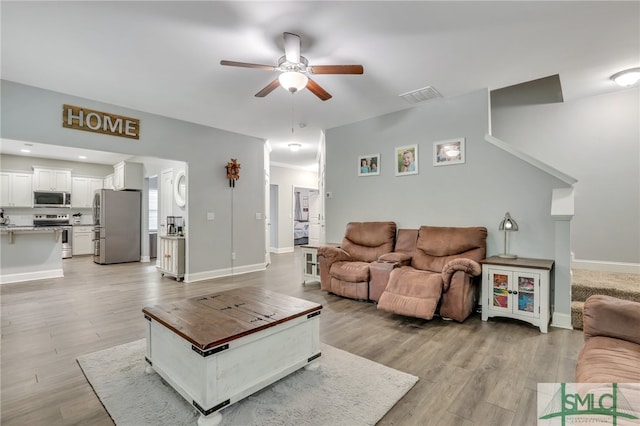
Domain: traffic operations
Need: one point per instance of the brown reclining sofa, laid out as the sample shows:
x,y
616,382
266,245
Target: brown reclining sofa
x,y
429,270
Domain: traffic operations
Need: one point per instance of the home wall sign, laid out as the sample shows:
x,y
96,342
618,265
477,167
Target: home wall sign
x,y
89,120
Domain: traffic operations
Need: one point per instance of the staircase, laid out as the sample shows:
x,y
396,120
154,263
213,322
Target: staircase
x,y
587,283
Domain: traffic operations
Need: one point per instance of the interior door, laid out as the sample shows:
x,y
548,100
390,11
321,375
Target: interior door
x,y
166,200
314,217
267,219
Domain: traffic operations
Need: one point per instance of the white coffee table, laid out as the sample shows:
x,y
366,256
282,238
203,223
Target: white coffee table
x,y
219,348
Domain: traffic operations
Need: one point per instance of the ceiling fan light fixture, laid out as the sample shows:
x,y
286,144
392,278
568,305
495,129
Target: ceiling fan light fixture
x,y
293,81
295,147
627,77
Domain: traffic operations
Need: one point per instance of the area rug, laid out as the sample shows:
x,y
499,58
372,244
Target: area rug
x,y
346,389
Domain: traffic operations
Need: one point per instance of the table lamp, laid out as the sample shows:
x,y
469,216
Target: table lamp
x,y
507,225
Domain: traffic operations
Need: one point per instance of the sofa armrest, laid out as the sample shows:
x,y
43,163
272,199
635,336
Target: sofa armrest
x,y
611,317
468,266
327,255
402,259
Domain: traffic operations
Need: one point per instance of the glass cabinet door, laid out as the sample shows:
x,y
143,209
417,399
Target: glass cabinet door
x,y
527,298
500,282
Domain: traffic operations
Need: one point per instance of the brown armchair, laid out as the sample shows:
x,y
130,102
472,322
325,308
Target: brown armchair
x,y
443,272
345,270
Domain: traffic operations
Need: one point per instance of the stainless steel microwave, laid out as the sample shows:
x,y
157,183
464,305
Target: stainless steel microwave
x,y
51,199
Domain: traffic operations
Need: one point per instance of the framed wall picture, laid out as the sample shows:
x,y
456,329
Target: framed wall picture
x,y
448,152
406,160
369,165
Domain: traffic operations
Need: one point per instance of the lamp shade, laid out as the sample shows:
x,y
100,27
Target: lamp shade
x,y
293,81
508,224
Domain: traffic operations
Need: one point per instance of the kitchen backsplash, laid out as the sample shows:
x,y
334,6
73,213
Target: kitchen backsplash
x,y
23,216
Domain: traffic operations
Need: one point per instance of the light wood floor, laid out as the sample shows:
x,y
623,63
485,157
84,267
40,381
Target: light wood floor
x,y
474,373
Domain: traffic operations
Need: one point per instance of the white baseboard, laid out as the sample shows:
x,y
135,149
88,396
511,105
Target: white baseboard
x,y
596,265
561,321
226,272
28,276
145,259
281,250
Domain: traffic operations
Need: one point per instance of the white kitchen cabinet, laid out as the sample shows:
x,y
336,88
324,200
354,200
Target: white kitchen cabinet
x,y
16,189
82,190
517,288
171,256
51,179
82,240
107,182
127,175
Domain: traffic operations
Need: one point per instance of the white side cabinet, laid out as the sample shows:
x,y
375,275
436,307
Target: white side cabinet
x,y
82,240
517,288
15,189
82,190
51,179
310,265
171,256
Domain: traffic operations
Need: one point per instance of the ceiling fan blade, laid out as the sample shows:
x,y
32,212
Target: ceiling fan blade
x,y
292,47
268,89
336,69
247,65
317,90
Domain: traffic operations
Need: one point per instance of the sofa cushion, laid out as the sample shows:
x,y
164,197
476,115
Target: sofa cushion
x,y
438,245
352,272
608,360
367,241
412,292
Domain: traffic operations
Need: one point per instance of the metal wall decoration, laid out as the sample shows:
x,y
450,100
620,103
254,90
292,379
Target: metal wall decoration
x,y
233,172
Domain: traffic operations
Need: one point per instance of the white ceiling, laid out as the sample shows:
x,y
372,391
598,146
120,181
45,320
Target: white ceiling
x,y
164,57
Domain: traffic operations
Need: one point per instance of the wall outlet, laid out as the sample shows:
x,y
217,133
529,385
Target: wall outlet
x,y
233,255
258,216
211,216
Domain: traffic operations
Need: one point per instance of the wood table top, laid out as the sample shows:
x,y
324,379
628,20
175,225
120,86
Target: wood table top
x,y
214,319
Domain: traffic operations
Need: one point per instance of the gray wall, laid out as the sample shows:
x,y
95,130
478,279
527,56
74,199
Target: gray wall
x,y
597,141
33,114
476,193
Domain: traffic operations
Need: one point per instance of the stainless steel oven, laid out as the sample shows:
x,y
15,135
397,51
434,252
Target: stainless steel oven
x,y
54,221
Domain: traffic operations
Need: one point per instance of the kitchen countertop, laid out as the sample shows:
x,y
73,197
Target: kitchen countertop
x,y
30,228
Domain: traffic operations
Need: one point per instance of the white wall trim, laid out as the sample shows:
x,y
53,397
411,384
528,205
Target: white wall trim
x,y
597,265
145,259
529,159
281,250
28,276
226,272
561,321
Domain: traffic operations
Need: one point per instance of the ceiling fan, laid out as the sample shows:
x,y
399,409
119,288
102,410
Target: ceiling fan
x,y
295,70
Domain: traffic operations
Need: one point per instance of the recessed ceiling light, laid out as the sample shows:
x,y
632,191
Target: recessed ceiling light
x,y
25,150
627,77
82,157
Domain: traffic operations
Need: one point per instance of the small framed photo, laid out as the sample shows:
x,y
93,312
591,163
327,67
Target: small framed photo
x,y
369,165
448,152
406,160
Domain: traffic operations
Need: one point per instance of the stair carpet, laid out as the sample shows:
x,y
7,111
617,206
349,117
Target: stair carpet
x,y
587,282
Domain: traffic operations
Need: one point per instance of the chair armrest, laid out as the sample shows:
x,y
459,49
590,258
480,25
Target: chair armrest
x,y
611,317
468,266
327,255
402,259
332,254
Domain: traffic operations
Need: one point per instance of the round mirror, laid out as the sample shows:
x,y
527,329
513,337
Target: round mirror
x,y
180,189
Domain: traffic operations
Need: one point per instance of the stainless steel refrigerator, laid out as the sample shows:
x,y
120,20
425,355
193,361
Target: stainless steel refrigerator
x,y
116,232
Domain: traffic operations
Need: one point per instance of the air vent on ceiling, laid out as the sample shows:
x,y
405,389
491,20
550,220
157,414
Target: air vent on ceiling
x,y
421,95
